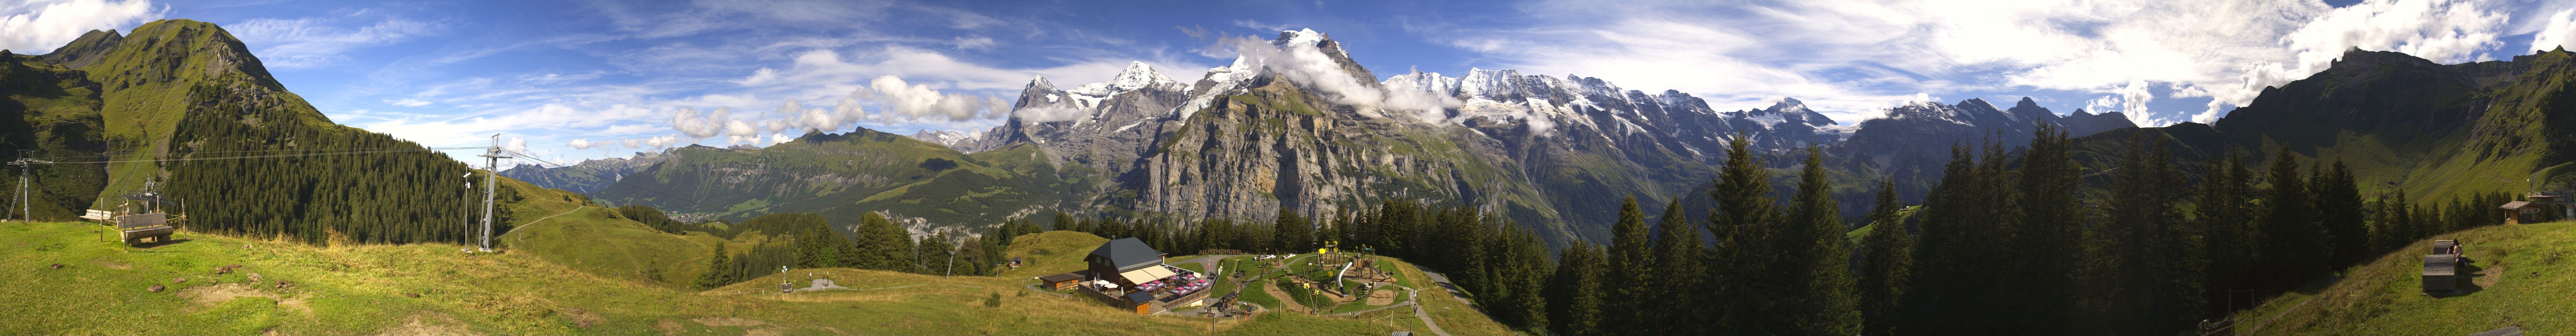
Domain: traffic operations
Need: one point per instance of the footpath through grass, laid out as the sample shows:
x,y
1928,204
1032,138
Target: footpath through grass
x,y
2525,276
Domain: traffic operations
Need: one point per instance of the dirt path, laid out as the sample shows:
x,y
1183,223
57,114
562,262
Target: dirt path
x,y
1287,302
515,228
1411,297
1443,281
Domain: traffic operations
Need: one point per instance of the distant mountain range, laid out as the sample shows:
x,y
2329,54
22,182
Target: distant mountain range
x,y
1261,134
1556,153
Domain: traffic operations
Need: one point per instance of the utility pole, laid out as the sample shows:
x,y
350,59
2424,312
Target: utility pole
x,y
26,168
492,179
952,265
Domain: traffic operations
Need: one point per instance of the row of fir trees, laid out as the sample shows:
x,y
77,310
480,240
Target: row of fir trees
x,y
2004,244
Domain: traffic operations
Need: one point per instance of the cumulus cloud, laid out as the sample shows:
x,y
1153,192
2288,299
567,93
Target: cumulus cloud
x,y
37,27
688,121
2560,32
1302,61
919,101
584,144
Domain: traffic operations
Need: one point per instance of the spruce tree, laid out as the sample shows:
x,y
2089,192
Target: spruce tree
x,y
1745,286
1629,263
1826,302
2339,210
2048,198
1293,231
2294,247
1574,295
2154,255
719,270
1888,265
1953,252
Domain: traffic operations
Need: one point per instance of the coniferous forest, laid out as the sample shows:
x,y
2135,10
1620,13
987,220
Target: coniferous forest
x,y
362,187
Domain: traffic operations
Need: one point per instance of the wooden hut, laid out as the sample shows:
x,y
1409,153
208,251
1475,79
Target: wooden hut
x,y
1064,281
2519,212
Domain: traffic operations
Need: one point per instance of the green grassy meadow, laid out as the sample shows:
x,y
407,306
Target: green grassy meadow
x,y
2523,279
438,289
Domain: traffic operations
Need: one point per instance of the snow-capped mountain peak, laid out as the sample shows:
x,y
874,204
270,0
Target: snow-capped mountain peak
x,y
1310,38
1136,76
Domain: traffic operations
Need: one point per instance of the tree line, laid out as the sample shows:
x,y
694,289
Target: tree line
x,y
2008,242
807,240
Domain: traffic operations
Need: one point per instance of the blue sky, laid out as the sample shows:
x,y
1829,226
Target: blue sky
x,y
571,80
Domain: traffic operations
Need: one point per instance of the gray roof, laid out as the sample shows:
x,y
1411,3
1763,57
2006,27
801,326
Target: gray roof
x,y
1139,297
1126,254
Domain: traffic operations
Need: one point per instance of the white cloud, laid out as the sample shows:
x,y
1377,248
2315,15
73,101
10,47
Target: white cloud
x,y
407,102
37,27
1302,61
978,42
2560,31
687,121
585,144
920,101
1048,114
310,42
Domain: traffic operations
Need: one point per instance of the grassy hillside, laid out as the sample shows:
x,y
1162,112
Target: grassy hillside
x,y
843,175
371,289
51,112
559,226
2525,275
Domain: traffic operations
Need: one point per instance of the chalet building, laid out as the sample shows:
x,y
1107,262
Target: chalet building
x,y
2520,212
1126,273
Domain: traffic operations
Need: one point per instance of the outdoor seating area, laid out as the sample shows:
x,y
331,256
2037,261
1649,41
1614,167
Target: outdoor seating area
x,y
1126,273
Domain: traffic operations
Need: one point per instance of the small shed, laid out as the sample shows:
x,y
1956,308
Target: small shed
x,y
2519,212
1144,301
1063,281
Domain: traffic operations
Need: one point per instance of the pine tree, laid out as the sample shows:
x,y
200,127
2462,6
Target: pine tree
x,y
2154,255
1574,293
1629,264
883,245
1888,265
1745,284
1826,302
2048,197
1293,231
2292,248
719,270
2340,211
2225,216
1675,275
